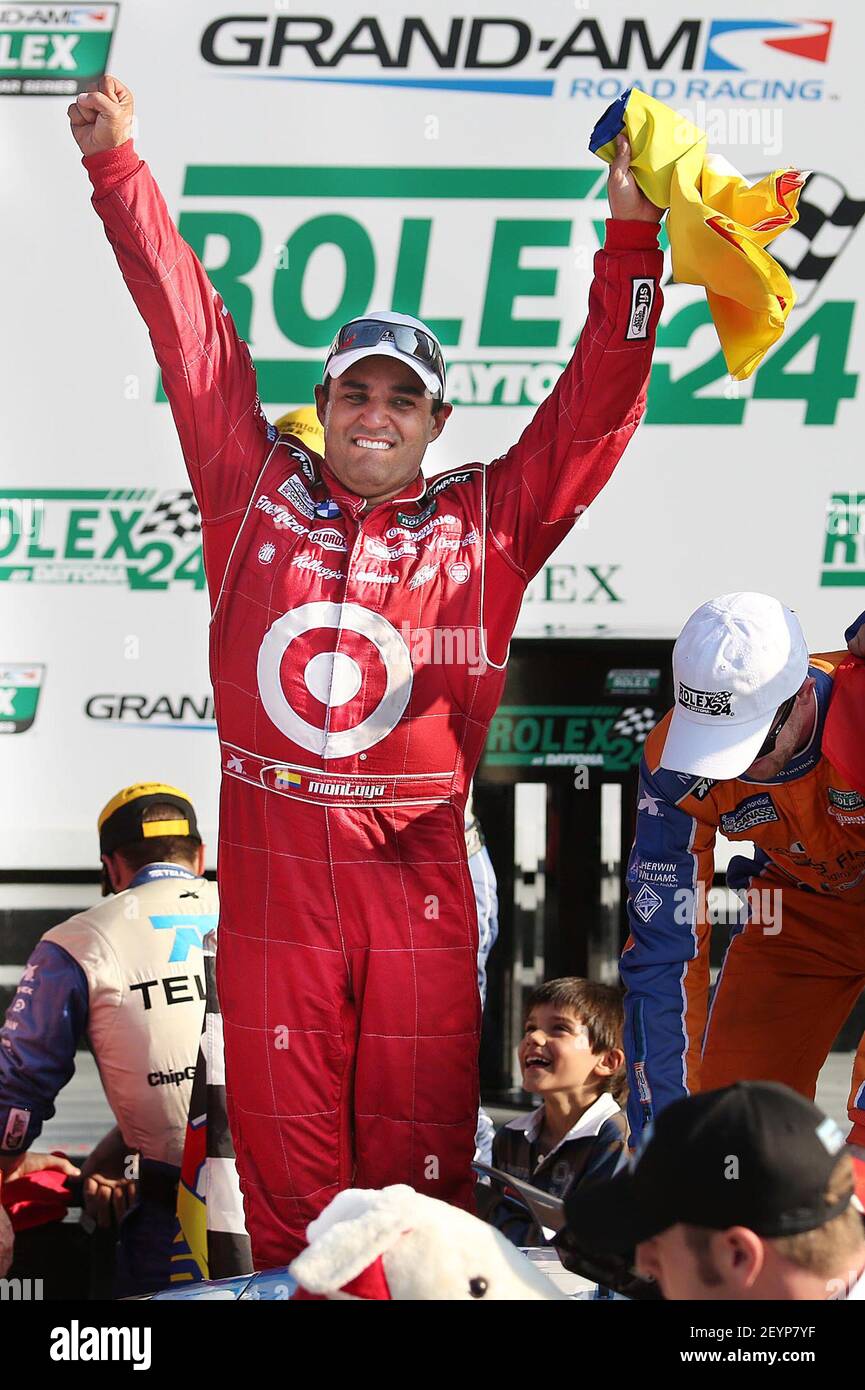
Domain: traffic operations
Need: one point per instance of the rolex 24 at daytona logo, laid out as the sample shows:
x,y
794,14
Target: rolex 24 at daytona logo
x,y
134,538
715,702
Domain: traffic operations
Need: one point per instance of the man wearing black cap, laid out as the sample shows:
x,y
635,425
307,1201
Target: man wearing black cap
x,y
745,1193
128,975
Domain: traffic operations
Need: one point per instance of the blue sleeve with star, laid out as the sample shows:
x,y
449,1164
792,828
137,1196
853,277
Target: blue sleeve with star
x,y
38,1040
665,965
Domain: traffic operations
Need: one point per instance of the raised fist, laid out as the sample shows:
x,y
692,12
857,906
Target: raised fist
x,y
627,202
102,119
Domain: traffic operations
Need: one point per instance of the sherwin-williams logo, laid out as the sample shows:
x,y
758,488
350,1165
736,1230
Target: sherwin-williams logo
x,y
844,543
19,696
53,50
139,538
505,55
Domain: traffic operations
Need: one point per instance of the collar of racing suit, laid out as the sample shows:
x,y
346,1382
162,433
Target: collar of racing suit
x,y
355,506
151,872
809,757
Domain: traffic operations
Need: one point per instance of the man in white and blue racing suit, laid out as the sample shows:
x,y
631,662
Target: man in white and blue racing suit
x,y
127,975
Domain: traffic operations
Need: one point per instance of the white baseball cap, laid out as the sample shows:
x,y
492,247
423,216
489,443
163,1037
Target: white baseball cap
x,y
400,336
737,659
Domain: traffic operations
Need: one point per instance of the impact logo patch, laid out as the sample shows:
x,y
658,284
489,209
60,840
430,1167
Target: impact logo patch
x,y
642,299
452,480
753,811
714,702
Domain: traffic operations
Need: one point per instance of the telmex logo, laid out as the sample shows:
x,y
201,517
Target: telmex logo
x,y
474,46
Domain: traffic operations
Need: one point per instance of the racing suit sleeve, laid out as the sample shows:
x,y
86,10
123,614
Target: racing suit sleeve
x,y
538,489
207,370
44,1025
665,963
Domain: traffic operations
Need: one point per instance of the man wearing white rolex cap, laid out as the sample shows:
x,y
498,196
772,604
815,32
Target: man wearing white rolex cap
x,y
741,754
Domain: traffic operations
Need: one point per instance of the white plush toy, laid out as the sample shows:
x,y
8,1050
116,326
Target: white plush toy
x,y
397,1244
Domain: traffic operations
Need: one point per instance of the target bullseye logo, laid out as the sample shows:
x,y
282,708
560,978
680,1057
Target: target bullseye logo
x,y
334,678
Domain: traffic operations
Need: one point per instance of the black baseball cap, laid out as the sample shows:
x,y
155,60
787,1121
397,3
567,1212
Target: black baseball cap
x,y
755,1154
122,821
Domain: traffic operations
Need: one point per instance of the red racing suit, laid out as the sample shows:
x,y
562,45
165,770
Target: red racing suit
x,y
357,657
795,965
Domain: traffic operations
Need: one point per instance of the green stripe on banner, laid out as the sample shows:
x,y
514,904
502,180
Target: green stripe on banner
x,y
279,381
57,494
297,181
288,381
557,709
842,579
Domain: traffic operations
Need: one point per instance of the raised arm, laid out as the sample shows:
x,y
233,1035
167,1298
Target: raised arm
x,y
538,489
207,370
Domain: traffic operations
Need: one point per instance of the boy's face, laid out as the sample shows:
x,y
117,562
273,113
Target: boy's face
x,y
555,1053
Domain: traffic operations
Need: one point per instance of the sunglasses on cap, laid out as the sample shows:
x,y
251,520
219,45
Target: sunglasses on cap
x,y
413,342
784,712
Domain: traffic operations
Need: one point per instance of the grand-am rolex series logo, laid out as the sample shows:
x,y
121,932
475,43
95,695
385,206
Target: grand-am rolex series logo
x,y
138,538
53,50
20,686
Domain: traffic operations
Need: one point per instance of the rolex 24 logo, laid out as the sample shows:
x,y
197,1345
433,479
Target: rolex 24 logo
x,y
713,702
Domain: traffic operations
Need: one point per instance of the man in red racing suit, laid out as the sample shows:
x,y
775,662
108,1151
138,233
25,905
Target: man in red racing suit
x,y
357,656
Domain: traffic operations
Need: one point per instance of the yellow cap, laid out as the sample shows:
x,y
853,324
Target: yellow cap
x,y
122,821
139,789
305,425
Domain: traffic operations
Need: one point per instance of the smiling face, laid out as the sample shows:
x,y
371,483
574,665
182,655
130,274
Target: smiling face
x,y
378,422
555,1053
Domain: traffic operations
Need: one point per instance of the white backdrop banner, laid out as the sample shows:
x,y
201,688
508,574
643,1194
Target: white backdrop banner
x,y
332,162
